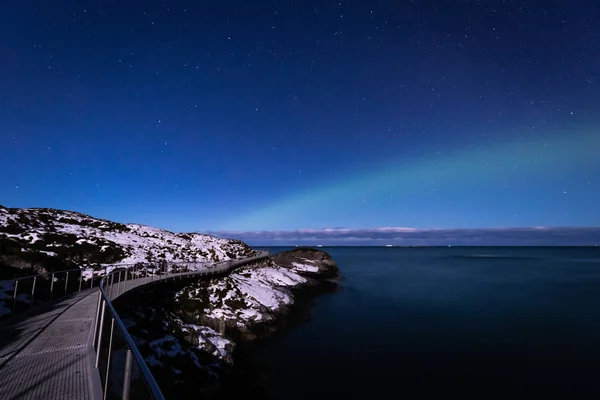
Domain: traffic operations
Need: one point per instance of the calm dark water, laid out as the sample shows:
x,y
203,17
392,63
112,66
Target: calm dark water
x,y
417,321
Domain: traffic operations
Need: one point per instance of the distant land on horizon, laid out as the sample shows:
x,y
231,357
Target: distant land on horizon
x,y
413,237
418,247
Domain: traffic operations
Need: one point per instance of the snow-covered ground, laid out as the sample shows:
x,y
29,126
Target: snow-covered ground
x,y
100,246
209,339
306,266
248,295
168,346
128,243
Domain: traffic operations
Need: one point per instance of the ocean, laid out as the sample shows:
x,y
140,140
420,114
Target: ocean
x,y
414,322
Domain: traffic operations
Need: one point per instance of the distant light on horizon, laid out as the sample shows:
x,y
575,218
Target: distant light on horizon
x,y
549,236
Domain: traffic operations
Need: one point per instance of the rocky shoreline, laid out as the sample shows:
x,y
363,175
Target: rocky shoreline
x,y
194,333
197,336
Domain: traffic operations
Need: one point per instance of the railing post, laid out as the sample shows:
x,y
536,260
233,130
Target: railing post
x,y
97,317
100,334
114,282
127,376
51,285
80,280
119,284
15,297
112,328
33,291
66,282
121,280
132,272
111,286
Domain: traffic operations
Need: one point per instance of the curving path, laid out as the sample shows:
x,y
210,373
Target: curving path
x,y
48,352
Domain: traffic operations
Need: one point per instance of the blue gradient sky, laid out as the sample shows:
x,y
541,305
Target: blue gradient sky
x,y
246,116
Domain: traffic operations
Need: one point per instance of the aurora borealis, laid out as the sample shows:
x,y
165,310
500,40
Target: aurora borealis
x,y
531,182
284,116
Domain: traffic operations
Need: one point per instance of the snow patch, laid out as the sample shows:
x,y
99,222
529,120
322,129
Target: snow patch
x,y
248,295
209,336
305,267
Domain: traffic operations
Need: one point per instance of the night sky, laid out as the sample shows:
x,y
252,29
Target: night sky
x,y
286,115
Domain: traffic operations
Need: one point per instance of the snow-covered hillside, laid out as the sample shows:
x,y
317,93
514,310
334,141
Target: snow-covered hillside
x,y
191,332
244,297
46,239
189,328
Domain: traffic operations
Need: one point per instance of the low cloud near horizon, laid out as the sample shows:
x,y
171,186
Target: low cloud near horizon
x,y
534,236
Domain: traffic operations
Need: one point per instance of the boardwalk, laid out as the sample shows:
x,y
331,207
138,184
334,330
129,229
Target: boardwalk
x,y
48,353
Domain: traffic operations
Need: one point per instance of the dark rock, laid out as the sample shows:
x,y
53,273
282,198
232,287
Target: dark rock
x,y
327,268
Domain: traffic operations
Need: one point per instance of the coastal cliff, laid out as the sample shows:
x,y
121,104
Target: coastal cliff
x,y
189,331
192,332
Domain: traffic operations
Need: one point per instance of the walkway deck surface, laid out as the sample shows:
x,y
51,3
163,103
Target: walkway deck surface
x,y
48,352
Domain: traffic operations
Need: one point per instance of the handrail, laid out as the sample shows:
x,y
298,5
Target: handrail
x,y
30,294
21,278
106,293
146,374
16,285
152,272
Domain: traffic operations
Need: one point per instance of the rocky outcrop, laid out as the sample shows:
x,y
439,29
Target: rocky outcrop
x,y
309,262
251,302
208,319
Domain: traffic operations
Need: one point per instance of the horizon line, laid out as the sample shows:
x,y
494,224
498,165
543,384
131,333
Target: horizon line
x,y
402,229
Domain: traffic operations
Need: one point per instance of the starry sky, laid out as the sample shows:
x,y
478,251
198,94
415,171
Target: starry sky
x,y
287,115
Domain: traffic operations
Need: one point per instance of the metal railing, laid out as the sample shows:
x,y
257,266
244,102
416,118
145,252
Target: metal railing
x,y
121,366
21,294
